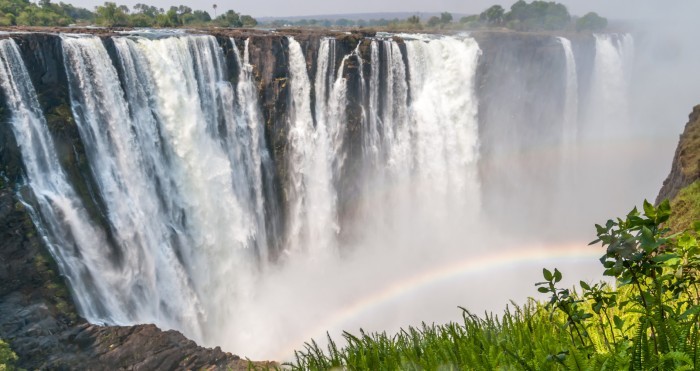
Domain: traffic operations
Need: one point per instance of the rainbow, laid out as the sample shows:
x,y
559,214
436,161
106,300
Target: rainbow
x,y
573,252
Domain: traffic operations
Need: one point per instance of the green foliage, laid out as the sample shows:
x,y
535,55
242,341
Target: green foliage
x,y
686,208
229,19
7,357
493,15
110,14
650,321
45,13
538,15
445,17
534,16
433,21
248,21
591,22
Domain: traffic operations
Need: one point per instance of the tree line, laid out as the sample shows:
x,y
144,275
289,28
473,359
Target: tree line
x,y
522,16
536,16
110,14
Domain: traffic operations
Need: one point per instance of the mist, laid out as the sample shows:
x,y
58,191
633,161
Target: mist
x,y
405,274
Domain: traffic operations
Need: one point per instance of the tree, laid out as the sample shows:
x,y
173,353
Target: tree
x,y
200,16
414,19
493,15
214,6
150,11
229,19
110,15
591,22
518,11
433,21
445,17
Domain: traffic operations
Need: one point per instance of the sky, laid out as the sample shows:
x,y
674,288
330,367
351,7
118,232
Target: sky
x,y
620,9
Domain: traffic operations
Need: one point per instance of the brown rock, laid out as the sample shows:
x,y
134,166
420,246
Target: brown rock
x,y
685,168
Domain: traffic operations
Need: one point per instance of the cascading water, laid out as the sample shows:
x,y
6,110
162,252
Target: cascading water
x,y
608,113
181,167
190,137
313,217
250,129
151,268
81,250
570,125
444,132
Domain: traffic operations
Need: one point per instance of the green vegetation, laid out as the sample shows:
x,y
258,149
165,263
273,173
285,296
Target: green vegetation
x,y
649,321
591,22
43,13
538,15
686,208
111,15
46,13
522,16
7,357
535,16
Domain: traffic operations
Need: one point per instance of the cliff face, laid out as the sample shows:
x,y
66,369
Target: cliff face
x,y
37,314
685,168
681,187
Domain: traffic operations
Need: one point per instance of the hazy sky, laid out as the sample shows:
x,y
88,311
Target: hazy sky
x,y
261,8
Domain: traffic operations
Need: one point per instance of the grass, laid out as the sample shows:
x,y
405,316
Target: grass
x,y
686,208
650,321
531,337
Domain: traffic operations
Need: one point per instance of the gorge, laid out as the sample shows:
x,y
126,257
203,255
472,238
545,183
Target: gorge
x,y
255,189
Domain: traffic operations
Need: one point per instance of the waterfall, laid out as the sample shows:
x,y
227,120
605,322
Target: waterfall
x,y
81,249
609,106
371,144
312,201
250,123
186,147
570,125
395,113
154,286
330,93
200,229
445,131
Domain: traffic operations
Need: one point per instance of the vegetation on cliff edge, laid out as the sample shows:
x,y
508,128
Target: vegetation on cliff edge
x,y
110,14
648,321
7,357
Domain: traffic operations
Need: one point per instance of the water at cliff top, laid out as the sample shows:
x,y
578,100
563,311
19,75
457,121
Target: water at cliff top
x,y
390,195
